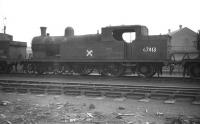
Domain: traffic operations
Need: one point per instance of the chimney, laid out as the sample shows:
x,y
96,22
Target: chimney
x,y
4,29
43,31
180,26
169,30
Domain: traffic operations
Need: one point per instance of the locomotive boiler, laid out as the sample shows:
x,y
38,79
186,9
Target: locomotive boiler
x,y
107,53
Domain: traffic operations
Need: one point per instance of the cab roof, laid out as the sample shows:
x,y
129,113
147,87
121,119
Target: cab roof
x,y
125,26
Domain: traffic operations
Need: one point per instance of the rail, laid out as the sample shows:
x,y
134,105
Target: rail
x,y
97,89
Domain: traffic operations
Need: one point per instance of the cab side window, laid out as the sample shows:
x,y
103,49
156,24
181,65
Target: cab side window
x,y
127,36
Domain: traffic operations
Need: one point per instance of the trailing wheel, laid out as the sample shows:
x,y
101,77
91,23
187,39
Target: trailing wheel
x,y
146,70
194,70
112,70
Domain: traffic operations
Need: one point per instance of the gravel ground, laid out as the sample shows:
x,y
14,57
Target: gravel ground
x,y
53,109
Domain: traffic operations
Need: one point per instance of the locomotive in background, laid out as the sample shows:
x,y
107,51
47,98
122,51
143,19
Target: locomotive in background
x,y
108,53
11,52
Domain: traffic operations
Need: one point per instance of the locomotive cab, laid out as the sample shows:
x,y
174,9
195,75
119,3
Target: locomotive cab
x,y
146,54
140,45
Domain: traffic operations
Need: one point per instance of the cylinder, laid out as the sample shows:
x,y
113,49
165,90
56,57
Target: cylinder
x,y
43,31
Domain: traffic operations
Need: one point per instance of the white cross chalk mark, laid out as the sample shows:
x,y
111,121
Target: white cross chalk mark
x,y
89,53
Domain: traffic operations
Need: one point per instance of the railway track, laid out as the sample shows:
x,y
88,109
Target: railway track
x,y
132,78
166,93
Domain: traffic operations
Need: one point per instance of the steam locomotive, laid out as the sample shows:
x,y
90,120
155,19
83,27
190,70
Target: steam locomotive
x,y
106,53
11,52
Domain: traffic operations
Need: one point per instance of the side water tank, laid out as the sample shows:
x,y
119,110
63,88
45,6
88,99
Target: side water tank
x,y
69,31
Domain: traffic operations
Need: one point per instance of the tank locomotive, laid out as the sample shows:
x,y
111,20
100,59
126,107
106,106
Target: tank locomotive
x,y
107,53
11,52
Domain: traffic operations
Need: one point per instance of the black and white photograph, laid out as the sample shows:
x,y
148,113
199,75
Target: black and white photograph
x,y
99,62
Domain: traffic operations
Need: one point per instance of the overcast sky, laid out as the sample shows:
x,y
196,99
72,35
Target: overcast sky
x,y
24,17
